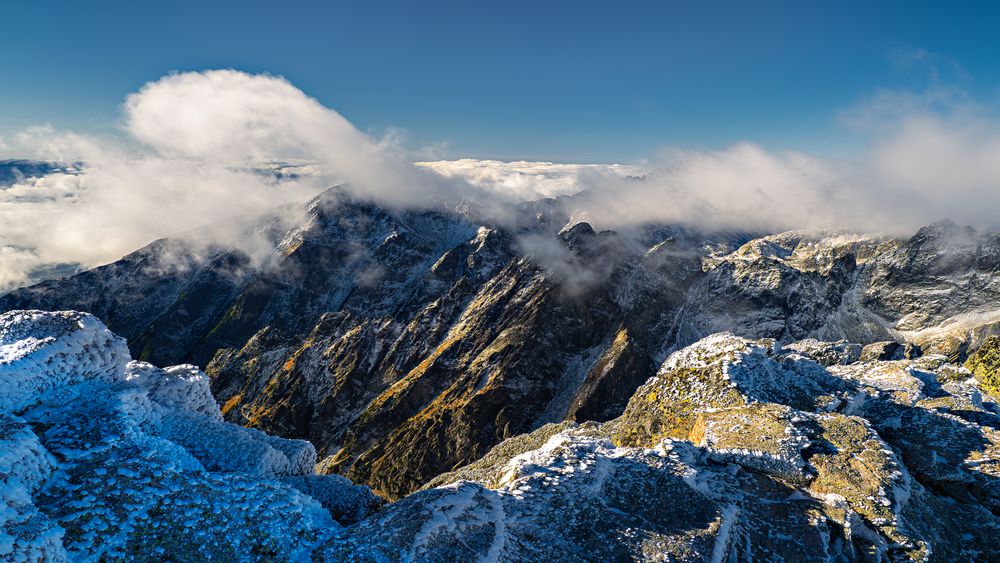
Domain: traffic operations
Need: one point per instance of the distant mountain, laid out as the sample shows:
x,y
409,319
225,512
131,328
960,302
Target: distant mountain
x,y
404,344
14,171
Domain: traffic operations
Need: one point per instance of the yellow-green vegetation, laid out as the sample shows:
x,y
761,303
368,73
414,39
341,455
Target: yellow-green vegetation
x,y
985,366
231,403
760,427
857,467
270,400
668,406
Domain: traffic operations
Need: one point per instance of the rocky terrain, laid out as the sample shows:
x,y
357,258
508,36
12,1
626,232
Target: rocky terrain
x,y
369,329
736,450
406,343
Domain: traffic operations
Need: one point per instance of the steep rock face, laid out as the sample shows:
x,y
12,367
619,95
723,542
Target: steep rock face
x,y
783,286
938,289
173,289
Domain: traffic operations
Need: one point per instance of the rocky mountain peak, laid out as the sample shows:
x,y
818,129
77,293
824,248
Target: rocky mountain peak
x,y
378,333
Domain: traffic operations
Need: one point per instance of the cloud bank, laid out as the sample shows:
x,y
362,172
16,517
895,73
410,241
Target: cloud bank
x,y
927,155
527,181
191,154
192,147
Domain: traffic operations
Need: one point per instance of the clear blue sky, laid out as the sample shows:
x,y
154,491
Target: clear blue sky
x,y
569,81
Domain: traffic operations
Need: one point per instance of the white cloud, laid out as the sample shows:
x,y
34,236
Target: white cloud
x,y
525,181
184,161
950,166
189,140
188,155
929,154
882,112
741,187
234,117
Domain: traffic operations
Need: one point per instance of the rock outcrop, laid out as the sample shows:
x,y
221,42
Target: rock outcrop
x,y
106,459
736,450
882,445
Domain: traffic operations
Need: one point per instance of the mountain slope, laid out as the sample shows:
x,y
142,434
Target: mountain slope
x,y
369,330
737,450
404,343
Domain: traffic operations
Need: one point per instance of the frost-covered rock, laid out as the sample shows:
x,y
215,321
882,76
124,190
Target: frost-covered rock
x,y
737,450
47,352
827,353
183,389
347,502
575,498
719,372
761,436
883,445
25,533
889,350
105,459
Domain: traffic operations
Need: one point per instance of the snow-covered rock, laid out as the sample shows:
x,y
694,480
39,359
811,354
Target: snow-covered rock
x,y
737,450
101,458
49,352
882,444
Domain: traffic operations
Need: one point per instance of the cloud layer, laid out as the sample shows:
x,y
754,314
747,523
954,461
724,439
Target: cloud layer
x,y
193,145
927,155
527,181
191,152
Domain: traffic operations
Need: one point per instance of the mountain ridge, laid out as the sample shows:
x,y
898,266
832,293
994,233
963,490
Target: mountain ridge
x,y
370,330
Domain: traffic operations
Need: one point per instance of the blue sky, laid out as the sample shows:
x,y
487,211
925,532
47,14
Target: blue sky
x,y
564,81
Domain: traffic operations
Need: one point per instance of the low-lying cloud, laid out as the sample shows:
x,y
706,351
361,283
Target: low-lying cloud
x,y
191,154
741,187
926,156
527,181
193,146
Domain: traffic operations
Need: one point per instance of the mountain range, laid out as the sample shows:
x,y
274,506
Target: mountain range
x,y
509,365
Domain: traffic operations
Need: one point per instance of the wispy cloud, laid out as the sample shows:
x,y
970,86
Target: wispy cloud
x,y
936,67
